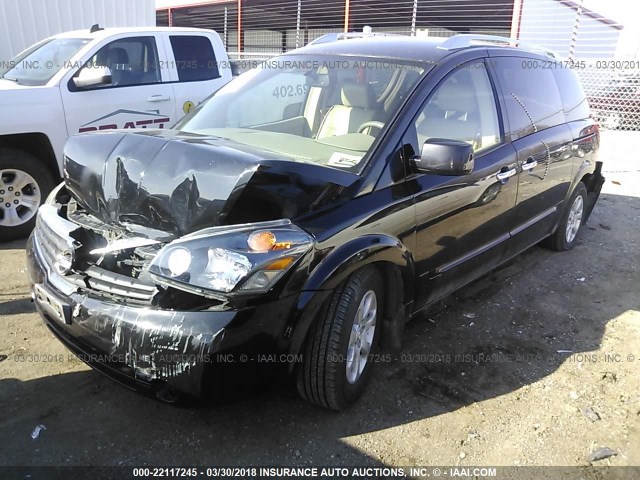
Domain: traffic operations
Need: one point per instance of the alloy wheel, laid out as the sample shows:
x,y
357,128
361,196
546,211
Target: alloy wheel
x,y
575,219
19,198
362,335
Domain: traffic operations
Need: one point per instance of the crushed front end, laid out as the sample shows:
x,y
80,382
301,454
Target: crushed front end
x,y
137,310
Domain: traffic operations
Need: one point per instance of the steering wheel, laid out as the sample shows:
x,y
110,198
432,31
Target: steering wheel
x,y
371,124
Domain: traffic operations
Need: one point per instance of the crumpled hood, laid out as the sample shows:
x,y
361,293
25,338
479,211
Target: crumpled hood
x,y
170,183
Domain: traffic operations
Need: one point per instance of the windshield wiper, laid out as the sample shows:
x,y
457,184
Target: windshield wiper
x,y
9,78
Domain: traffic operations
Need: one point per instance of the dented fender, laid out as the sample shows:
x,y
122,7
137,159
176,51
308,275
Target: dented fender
x,y
336,268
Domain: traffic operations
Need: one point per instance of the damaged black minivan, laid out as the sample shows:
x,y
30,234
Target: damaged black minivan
x,y
302,214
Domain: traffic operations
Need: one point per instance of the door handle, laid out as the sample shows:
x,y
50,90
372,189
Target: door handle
x,y
558,150
506,174
158,98
529,164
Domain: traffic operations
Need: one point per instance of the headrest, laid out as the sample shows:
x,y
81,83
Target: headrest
x,y
102,58
118,56
359,95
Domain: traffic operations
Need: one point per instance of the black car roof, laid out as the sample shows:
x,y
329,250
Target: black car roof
x,y
399,47
392,47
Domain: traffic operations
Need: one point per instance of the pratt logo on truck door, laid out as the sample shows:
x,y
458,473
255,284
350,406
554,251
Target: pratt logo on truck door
x,y
126,119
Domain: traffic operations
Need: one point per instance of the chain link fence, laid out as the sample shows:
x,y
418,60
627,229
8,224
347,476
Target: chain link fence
x,y
613,90
253,30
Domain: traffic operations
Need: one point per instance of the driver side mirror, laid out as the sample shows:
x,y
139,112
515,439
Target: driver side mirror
x,y
93,77
442,156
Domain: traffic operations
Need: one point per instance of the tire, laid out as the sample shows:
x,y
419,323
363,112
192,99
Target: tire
x,y
322,378
563,239
23,179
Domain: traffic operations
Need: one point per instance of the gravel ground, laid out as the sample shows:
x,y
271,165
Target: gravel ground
x,y
536,364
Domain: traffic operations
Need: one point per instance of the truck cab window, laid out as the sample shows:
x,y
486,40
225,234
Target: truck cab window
x,y
132,61
195,59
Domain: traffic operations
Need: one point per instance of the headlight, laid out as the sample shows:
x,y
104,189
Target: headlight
x,y
240,259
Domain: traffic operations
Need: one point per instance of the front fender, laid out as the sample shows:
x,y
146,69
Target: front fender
x,y
346,259
336,267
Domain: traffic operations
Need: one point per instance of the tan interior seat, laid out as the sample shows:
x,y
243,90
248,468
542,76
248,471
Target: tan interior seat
x,y
358,106
452,113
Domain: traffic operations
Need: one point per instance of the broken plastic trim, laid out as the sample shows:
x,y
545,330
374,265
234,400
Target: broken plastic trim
x,y
124,244
52,199
218,262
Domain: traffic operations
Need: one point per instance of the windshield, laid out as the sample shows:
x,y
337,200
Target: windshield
x,y
319,109
38,64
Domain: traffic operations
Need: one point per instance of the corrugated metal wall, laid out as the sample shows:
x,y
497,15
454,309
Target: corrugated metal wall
x,y
567,29
24,22
273,26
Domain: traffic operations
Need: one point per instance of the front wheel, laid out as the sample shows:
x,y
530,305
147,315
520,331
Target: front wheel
x,y
337,359
565,236
24,185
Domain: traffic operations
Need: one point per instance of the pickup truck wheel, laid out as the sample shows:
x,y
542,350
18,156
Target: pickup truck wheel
x,y
565,236
337,360
24,185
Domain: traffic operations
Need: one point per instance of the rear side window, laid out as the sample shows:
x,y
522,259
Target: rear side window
x,y
573,98
195,59
531,94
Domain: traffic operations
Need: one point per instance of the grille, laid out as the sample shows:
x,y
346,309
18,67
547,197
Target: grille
x,y
56,248
116,284
53,240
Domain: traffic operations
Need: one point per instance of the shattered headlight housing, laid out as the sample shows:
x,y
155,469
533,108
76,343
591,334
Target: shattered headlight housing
x,y
248,258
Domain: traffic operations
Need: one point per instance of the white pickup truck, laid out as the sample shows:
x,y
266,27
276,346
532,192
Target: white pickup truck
x,y
90,80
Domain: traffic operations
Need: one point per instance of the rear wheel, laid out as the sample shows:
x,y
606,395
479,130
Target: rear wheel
x,y
337,359
565,236
24,185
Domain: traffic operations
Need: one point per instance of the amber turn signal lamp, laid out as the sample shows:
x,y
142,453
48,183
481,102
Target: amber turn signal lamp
x,y
280,264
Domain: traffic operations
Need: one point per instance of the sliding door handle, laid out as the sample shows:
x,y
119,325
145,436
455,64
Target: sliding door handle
x,y
502,176
529,164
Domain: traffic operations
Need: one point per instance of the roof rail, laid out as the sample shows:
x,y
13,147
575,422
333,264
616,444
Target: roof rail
x,y
465,40
366,33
